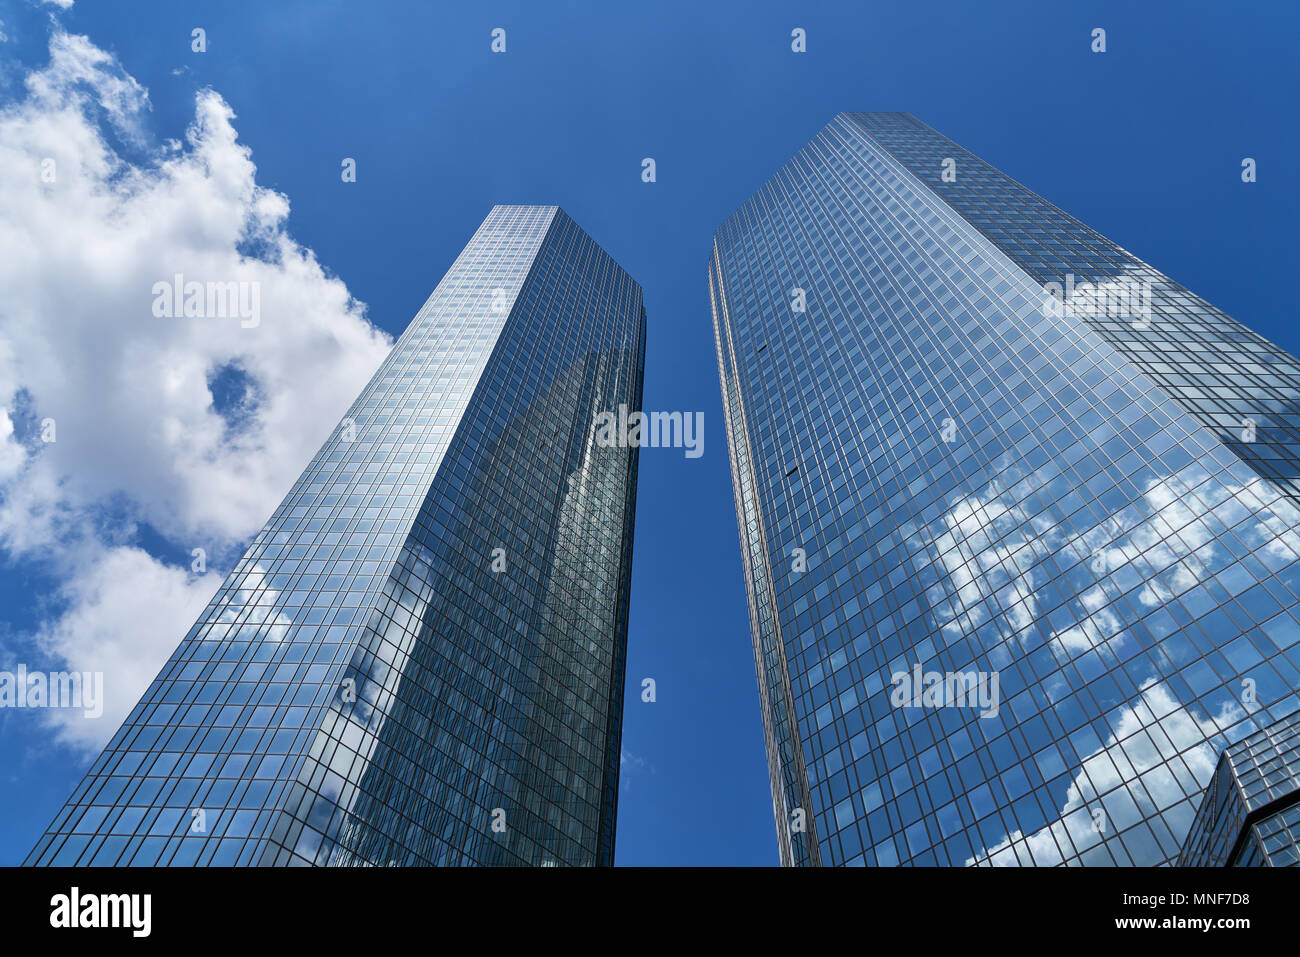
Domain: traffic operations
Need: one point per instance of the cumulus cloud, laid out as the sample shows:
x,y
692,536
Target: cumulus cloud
x,y
986,550
1151,732
126,614
93,215
1158,547
12,454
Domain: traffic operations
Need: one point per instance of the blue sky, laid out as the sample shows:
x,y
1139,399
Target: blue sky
x,y
1144,143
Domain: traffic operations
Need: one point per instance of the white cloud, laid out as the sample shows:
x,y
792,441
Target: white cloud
x,y
12,455
79,70
62,4
128,612
987,551
136,425
631,766
986,547
1151,731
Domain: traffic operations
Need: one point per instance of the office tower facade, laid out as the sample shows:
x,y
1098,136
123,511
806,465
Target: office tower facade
x,y
1016,512
420,659
1250,815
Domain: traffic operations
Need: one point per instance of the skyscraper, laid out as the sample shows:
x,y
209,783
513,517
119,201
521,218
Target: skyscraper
x,y
1250,815
1018,514
420,658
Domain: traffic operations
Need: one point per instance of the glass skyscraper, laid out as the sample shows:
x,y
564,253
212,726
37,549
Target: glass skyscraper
x,y
420,658
1250,815
1018,514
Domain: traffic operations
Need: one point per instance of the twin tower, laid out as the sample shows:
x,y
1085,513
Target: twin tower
x,y
1018,517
